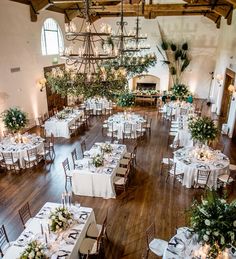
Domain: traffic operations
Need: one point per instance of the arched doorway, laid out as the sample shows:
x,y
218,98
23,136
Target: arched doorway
x,y
145,82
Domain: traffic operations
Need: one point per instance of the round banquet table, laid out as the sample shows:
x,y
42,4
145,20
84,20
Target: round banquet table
x,y
189,162
93,102
184,245
118,121
19,150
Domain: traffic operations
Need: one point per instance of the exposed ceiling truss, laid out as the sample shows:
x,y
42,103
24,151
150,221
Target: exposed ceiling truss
x,y
212,9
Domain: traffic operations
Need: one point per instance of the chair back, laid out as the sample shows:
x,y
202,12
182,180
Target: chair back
x,y
66,166
127,127
74,156
150,233
83,146
3,239
98,106
8,157
25,213
202,177
32,153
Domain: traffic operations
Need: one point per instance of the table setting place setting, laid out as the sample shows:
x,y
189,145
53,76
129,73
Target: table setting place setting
x,y
126,117
53,232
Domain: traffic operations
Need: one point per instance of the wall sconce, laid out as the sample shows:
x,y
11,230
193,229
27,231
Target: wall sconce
x,y
41,83
219,79
232,90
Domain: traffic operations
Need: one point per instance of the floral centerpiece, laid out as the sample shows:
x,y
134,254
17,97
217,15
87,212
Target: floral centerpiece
x,y
107,148
180,91
214,222
98,160
14,119
202,129
61,115
60,219
34,250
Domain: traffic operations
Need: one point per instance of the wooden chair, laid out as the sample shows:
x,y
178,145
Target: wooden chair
x,y
52,144
156,246
74,128
148,125
127,131
74,157
122,171
25,214
91,246
140,130
32,157
45,153
98,109
201,179
10,162
111,131
4,241
83,146
226,179
175,172
67,171
166,161
121,182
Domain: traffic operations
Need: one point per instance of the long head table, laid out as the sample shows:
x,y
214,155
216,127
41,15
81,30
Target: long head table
x,y
65,243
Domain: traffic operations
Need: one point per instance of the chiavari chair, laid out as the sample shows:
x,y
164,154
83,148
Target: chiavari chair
x,y
11,162
226,179
140,130
31,158
74,128
91,246
121,182
45,153
4,241
83,147
174,171
121,171
98,109
156,246
166,161
67,171
112,132
74,156
127,131
52,143
25,214
201,178
148,125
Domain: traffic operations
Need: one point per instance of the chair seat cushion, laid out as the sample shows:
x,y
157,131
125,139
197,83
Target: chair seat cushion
x,y
88,245
232,167
94,230
104,126
121,171
119,180
166,160
124,161
225,178
30,159
158,246
10,162
127,155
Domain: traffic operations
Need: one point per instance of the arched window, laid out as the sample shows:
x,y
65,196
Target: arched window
x,y
51,38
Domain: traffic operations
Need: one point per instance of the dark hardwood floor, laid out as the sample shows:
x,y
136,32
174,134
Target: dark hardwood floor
x,y
148,199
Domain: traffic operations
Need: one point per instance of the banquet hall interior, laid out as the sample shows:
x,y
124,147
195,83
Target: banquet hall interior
x,y
117,129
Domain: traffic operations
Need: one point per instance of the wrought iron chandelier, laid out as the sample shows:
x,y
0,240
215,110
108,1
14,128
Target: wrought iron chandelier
x,y
86,57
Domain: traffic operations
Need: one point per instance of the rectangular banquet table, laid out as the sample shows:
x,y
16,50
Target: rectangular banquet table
x,y
63,242
97,182
60,127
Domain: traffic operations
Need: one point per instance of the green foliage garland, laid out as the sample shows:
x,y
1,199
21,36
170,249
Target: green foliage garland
x,y
214,221
133,65
74,84
14,119
126,99
202,129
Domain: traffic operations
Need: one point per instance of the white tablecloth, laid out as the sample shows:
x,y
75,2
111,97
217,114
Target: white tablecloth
x,y
183,245
60,127
19,150
175,107
185,161
92,103
119,120
184,137
33,230
97,182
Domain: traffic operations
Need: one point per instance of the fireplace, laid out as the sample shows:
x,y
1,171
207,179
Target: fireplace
x,y
146,86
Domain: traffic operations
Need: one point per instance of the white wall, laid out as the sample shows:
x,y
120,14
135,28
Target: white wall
x,y
226,58
198,31
20,46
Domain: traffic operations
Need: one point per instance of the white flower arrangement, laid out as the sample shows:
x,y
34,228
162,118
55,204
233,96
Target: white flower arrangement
x,y
98,160
214,221
107,148
61,115
60,219
34,250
